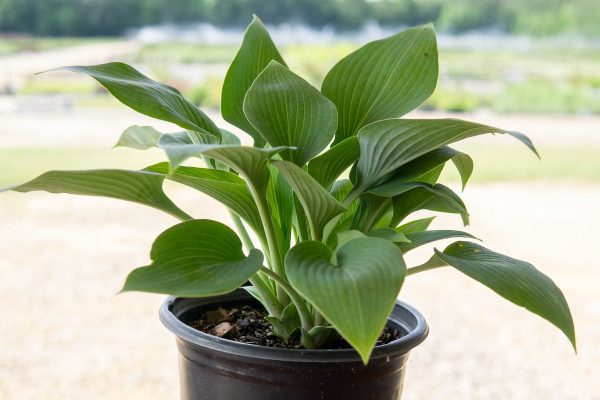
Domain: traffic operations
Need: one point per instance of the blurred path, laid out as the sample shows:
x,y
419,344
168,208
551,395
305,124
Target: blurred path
x,y
104,125
16,67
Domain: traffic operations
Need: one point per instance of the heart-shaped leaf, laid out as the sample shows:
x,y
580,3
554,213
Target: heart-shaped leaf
x,y
288,111
319,206
256,52
327,167
196,258
148,97
385,146
141,187
383,79
355,294
515,280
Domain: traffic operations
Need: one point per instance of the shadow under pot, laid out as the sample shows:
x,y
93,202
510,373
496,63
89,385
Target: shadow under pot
x,y
212,368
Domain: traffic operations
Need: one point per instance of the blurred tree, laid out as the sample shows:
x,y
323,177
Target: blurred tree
x,y
114,17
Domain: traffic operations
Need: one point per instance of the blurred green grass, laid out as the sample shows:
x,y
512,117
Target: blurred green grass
x,y
497,163
14,45
546,78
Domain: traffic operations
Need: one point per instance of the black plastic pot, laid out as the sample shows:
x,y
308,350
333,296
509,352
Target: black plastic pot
x,y
219,369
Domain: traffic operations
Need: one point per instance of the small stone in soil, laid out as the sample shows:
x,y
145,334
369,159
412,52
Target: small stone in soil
x,y
248,325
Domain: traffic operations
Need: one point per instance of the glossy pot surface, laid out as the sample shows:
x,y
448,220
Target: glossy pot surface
x,y
220,369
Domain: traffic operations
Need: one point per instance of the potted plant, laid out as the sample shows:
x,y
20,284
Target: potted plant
x,y
321,203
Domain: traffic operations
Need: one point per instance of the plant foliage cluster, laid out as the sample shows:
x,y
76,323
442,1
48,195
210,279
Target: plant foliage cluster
x,y
114,17
322,200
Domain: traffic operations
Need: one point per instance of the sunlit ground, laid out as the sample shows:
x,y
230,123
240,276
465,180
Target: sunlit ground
x,y
67,335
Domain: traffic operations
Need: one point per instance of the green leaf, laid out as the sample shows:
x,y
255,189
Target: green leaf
x,y
385,146
464,164
178,146
139,137
390,234
320,206
317,336
327,167
148,97
417,239
384,79
196,258
344,237
255,54
357,293
428,197
287,324
225,187
515,280
136,186
251,163
417,225
430,161
288,111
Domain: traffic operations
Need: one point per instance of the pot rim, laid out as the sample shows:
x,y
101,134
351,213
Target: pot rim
x,y
193,337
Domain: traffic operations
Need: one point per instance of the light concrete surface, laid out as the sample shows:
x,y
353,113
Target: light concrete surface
x,y
67,335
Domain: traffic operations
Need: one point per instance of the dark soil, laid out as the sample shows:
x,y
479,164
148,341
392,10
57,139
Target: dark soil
x,y
248,325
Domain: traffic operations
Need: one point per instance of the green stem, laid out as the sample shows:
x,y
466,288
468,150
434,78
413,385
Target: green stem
x,y
239,226
374,216
305,316
354,193
269,300
319,320
276,262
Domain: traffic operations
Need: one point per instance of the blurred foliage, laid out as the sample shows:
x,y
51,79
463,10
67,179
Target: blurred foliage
x,y
114,17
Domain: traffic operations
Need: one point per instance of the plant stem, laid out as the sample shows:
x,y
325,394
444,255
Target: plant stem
x,y
239,226
269,300
276,263
354,193
305,316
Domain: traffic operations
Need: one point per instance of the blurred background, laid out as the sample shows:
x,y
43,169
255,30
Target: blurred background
x,y
531,66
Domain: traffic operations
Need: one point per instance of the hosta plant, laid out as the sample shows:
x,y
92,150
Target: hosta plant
x,y
322,201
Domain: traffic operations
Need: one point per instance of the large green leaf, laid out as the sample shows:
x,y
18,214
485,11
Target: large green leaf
x,y
255,54
196,258
288,111
227,188
417,239
327,167
320,206
515,280
427,197
384,79
385,146
141,187
355,294
148,97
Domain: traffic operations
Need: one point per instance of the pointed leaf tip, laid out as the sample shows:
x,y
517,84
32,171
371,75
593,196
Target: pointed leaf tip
x,y
516,280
